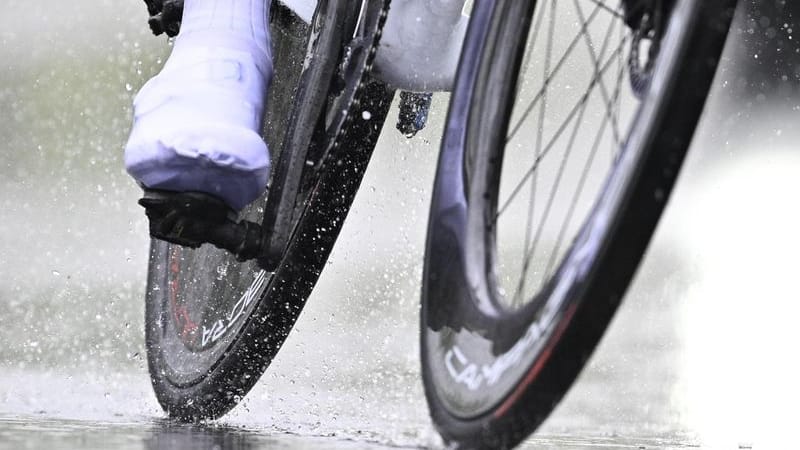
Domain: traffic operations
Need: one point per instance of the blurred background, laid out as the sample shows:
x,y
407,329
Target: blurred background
x,y
702,352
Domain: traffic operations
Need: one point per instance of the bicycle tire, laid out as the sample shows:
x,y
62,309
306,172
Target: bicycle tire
x,y
493,373
201,368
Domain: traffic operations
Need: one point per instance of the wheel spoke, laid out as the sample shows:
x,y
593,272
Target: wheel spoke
x,y
555,71
539,137
621,66
595,63
573,205
530,251
584,98
539,15
608,9
528,255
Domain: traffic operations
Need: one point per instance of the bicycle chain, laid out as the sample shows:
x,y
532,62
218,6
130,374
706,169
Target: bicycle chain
x,y
365,73
349,96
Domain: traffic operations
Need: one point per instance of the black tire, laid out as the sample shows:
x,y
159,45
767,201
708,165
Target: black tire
x,y
493,371
213,324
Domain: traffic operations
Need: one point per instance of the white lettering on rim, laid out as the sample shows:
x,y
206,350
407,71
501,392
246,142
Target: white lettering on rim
x,y
219,327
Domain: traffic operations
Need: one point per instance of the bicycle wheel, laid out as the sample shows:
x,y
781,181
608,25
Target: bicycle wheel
x,y
213,324
567,127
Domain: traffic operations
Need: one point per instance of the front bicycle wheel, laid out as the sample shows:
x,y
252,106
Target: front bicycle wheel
x,y
567,127
214,324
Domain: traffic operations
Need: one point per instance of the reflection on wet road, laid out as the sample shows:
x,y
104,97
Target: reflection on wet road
x,y
162,435
156,435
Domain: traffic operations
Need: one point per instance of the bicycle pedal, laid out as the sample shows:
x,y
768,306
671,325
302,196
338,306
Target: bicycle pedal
x,y
191,219
196,204
414,109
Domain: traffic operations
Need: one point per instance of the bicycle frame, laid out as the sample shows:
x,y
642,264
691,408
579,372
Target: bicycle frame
x,y
399,57
421,42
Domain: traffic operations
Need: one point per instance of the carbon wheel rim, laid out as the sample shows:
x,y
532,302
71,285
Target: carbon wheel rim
x,y
480,350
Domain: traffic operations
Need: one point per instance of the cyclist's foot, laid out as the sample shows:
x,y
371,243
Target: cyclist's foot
x,y
196,124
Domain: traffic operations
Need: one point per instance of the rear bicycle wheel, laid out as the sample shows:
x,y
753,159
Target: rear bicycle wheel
x,y
567,127
213,324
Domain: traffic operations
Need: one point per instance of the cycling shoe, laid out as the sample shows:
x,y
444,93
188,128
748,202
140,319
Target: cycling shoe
x,y
196,124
